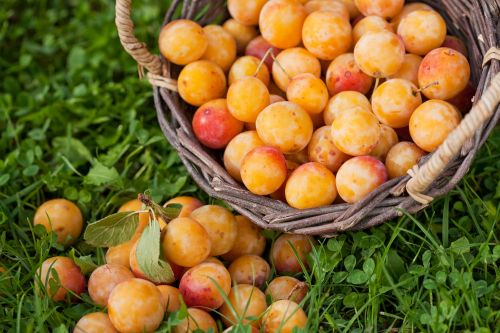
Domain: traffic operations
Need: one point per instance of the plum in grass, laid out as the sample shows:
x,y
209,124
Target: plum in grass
x,y
289,251
248,66
200,82
104,279
258,47
221,48
241,33
182,41
345,101
401,158
249,269
120,254
286,288
95,322
321,149
283,316
422,31
309,92
246,98
197,320
246,305
60,278
344,75
134,206
292,62
171,298
263,170
249,240
188,204
237,149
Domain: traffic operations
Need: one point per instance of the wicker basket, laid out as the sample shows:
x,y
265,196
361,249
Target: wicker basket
x,y
474,21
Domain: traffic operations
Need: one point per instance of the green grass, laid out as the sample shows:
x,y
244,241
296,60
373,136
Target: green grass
x,y
76,122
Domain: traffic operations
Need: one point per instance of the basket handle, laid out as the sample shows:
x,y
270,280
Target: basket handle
x,y
425,175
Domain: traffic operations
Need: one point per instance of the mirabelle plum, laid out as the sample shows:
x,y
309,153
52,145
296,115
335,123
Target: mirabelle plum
x,y
281,21
200,82
379,54
237,149
275,99
247,302
456,44
401,158
443,73
136,305
186,242
241,33
60,276
280,193
220,225
214,125
463,101
289,250
394,101
409,69
120,254
246,98
356,133
214,260
249,269
200,285
95,322
134,206
246,11
382,8
292,62
343,101
336,7
388,139
221,48
258,48
188,204
326,34
197,320
352,8
309,92
407,9
370,24
343,74
182,41
249,240
239,328
288,288
247,66
422,31
311,185
321,149
263,170
171,298
104,279
431,123
359,176
283,316
286,126
62,217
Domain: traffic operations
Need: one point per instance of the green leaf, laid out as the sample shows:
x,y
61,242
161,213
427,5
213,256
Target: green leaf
x,y
85,263
99,175
73,149
460,246
112,230
339,277
357,276
369,266
350,262
148,256
429,284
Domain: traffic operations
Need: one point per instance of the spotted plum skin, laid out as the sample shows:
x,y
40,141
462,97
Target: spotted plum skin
x,y
401,158
95,322
249,269
248,302
344,75
69,275
104,279
288,288
283,252
321,149
283,316
258,47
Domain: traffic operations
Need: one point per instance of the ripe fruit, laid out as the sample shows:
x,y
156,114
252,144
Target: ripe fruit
x,y
220,225
289,250
258,48
359,176
95,322
288,288
237,149
213,124
263,170
422,31
246,11
200,82
382,8
309,92
62,217
275,99
249,240
214,260
344,101
343,74
352,8
370,24
241,33
200,285
134,206
221,48
123,309
186,242
171,298
443,73
292,62
309,186
60,276
326,35
361,122
286,126
248,302
197,320
182,41
321,149
431,123
335,7
388,139
379,54
188,204
407,9
249,269
247,66
283,316
409,69
456,44
394,101
246,98
281,21
104,279
401,158
463,101
120,254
